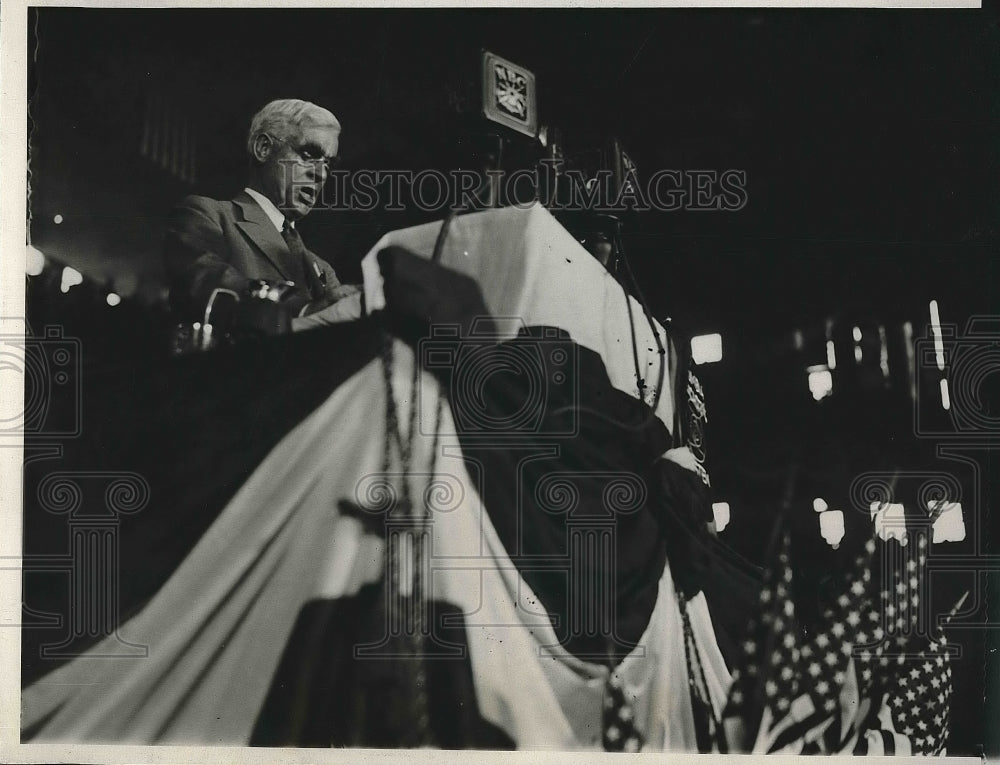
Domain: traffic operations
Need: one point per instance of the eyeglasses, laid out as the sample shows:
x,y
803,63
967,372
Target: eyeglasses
x,y
306,155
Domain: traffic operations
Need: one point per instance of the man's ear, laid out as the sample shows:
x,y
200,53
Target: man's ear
x,y
262,146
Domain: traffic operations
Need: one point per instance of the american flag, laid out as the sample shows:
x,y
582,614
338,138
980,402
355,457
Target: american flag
x,y
866,681
915,672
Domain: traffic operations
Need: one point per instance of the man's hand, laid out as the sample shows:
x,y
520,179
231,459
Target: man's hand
x,y
333,296
345,309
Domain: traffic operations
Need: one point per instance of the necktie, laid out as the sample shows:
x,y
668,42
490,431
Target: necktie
x,y
303,264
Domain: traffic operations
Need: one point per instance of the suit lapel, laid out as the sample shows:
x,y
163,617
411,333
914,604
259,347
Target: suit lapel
x,y
257,227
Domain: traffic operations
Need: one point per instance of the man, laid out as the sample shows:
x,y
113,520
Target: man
x,y
239,243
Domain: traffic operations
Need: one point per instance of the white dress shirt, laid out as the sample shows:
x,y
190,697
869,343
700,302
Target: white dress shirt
x,y
273,213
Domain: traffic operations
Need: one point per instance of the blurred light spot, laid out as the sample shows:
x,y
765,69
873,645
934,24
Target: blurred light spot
x,y
890,521
35,262
70,278
831,526
820,382
798,339
936,332
883,359
113,299
911,363
945,398
706,349
819,505
949,525
720,512
57,219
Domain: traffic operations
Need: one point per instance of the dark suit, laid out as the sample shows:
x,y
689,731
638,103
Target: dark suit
x,y
212,243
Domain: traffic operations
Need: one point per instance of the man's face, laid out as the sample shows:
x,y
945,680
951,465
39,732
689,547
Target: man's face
x,y
296,168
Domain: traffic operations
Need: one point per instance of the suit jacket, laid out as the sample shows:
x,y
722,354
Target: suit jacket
x,y
212,243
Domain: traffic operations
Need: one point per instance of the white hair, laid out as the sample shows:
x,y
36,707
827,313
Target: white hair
x,y
279,118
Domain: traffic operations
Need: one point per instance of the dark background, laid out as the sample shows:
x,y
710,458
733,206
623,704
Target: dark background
x,y
869,139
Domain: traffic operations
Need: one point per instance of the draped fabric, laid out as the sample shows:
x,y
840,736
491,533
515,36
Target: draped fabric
x,y
217,629
532,272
